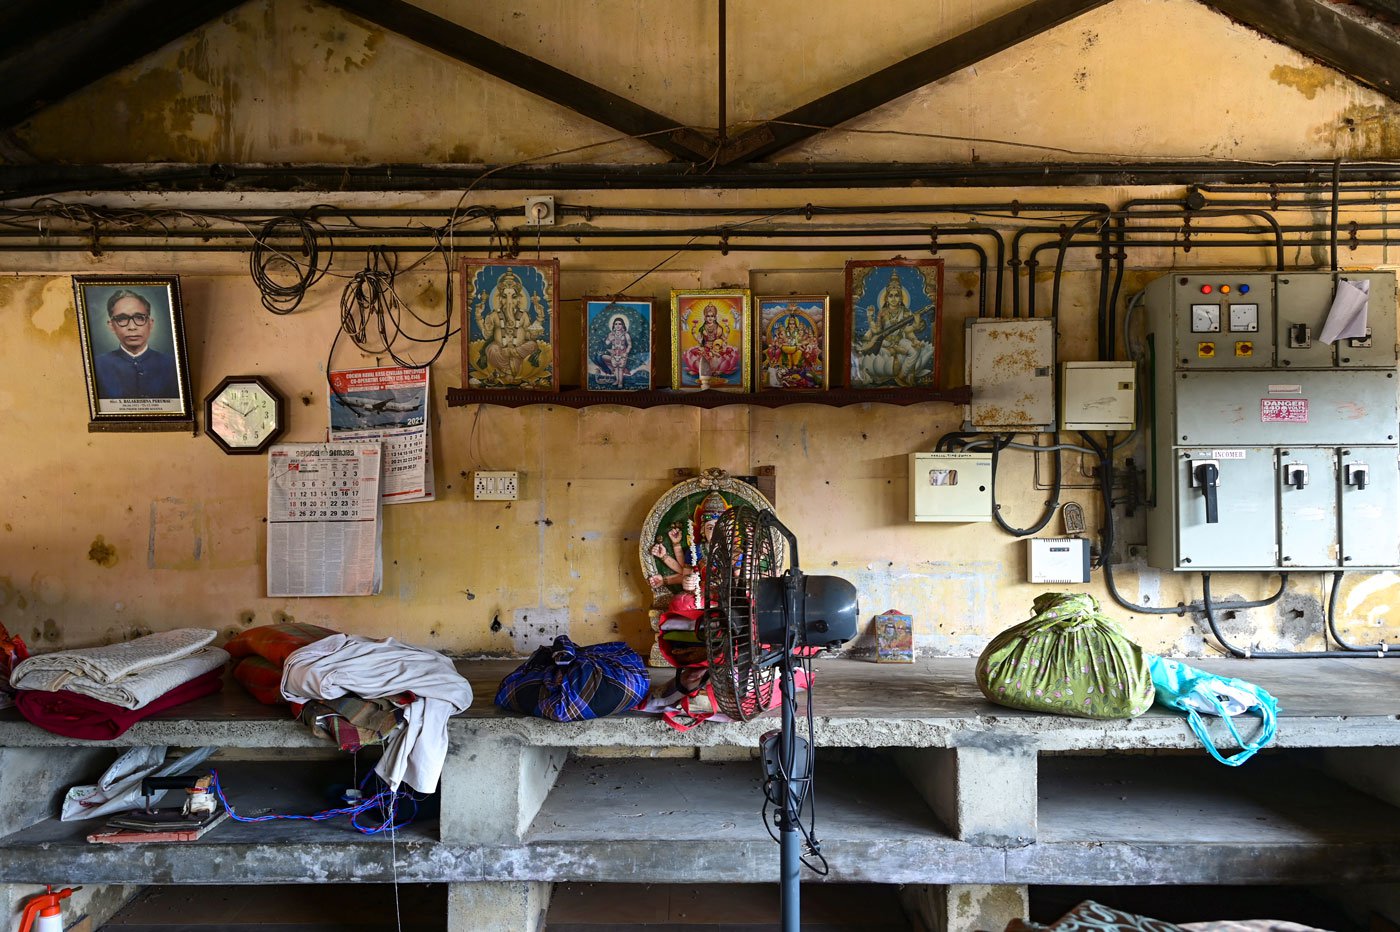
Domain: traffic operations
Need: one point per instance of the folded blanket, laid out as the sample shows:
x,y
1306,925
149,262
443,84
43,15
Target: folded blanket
x,y
131,691
106,664
77,716
262,678
354,723
276,642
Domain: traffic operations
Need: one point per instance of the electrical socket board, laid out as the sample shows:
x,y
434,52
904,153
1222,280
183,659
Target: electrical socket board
x,y
495,486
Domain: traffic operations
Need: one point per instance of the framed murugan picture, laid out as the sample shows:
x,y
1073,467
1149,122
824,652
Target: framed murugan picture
x,y
711,339
617,344
792,342
510,327
894,308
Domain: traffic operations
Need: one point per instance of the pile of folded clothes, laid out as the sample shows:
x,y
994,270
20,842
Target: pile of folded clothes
x,y
98,693
358,691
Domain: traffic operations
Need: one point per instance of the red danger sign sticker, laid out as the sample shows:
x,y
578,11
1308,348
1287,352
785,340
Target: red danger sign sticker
x,y
1283,410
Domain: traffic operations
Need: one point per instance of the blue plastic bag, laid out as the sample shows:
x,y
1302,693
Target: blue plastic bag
x,y
1186,689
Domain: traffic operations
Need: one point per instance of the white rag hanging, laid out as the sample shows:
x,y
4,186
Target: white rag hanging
x,y
375,669
131,674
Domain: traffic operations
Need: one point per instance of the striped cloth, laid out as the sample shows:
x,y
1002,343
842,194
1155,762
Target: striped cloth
x,y
567,683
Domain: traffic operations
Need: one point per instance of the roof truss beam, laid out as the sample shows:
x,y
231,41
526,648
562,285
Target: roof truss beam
x,y
531,74
878,89
1323,31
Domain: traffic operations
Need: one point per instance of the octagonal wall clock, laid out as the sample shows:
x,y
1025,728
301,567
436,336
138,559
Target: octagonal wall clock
x,y
244,414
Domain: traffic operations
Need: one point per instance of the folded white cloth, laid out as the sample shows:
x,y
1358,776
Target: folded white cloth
x,y
374,669
131,674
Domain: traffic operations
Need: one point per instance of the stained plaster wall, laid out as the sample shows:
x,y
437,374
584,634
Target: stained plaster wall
x,y
109,535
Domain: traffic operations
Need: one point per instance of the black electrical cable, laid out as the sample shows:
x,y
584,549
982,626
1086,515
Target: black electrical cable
x,y
1106,495
1382,649
1051,506
1336,195
279,295
1237,651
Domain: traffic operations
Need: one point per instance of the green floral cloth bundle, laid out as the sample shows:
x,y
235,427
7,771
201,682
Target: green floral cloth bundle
x,y
1070,659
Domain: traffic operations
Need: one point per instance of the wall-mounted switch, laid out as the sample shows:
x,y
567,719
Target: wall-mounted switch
x,y
495,486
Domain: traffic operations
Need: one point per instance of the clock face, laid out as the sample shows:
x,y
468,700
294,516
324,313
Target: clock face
x,y
243,415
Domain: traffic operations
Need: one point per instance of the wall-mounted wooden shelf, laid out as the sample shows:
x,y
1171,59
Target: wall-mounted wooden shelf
x,y
572,397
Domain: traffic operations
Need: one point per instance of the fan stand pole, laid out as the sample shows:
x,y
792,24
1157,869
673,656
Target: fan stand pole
x,y
789,841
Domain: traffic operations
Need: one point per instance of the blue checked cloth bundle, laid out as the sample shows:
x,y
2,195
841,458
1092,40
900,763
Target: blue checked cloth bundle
x,y
567,683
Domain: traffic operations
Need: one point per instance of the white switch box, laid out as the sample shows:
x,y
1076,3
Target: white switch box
x,y
1098,396
950,487
1058,560
495,486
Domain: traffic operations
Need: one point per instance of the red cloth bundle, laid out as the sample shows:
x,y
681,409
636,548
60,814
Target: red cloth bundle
x,y
74,715
263,650
12,651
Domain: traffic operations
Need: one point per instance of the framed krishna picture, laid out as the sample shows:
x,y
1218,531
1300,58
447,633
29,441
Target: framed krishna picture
x,y
711,339
893,311
510,330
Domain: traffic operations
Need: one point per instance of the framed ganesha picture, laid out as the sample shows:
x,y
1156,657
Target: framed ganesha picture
x,y
711,339
792,342
893,311
510,326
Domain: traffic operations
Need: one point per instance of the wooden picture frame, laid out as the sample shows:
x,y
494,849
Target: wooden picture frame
x,y
132,331
712,339
510,327
618,351
881,294
793,346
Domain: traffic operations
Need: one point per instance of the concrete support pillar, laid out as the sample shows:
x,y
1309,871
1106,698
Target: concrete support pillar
x,y
985,795
493,788
965,907
497,907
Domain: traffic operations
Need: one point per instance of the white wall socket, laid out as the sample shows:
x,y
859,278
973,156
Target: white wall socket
x,y
495,486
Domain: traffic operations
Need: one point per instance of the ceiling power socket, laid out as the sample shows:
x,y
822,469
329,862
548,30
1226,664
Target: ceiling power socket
x,y
495,485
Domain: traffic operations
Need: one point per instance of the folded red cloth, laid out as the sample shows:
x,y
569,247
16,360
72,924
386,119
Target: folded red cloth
x,y
276,642
74,715
262,678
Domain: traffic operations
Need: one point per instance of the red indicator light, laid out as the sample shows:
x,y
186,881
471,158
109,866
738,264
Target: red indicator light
x,y
1205,289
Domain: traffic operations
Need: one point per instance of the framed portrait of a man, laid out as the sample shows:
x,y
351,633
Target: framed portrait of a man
x,y
893,311
617,344
510,326
132,330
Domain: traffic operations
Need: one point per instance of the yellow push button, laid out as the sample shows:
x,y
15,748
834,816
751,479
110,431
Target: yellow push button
x,y
1205,350
1244,348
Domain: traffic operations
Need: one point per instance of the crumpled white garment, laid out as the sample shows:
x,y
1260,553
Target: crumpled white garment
x,y
374,669
131,674
119,787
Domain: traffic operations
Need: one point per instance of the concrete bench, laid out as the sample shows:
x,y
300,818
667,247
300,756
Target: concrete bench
x,y
921,783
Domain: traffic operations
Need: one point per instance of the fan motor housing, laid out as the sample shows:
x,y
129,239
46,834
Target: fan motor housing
x,y
830,612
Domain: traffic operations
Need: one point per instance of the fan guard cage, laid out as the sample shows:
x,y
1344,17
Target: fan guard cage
x,y
742,548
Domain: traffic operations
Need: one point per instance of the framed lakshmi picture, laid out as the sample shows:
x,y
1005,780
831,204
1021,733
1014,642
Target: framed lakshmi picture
x,y
617,344
792,342
510,331
711,339
893,311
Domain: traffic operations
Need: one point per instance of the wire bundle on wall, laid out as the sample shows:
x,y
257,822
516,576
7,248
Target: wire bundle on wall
x,y
279,295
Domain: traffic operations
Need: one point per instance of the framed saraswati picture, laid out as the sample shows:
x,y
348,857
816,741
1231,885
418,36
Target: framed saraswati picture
x,y
711,339
510,330
894,309
617,344
792,342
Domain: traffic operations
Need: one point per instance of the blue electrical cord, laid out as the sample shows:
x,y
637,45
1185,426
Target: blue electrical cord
x,y
387,802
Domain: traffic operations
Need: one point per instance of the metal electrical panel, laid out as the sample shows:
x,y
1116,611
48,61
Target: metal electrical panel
x,y
1271,449
1011,370
950,487
1098,396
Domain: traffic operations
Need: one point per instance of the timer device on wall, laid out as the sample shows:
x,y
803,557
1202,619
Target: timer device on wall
x,y
244,414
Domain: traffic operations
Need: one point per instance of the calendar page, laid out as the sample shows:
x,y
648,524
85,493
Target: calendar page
x,y
323,519
389,404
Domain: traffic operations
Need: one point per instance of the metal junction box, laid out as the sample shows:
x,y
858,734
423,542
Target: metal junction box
x,y
1098,396
950,487
1011,370
1271,449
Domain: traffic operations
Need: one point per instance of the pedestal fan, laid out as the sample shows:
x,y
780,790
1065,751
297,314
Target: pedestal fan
x,y
759,625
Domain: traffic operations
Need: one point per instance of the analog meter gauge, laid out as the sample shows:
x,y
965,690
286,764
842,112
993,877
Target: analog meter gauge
x,y
1244,318
1205,318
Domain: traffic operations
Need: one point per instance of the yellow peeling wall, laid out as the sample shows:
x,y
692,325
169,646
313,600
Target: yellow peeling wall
x,y
108,535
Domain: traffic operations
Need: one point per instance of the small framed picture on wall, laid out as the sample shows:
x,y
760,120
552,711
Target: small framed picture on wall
x,y
711,339
510,326
617,344
792,342
893,311
132,331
